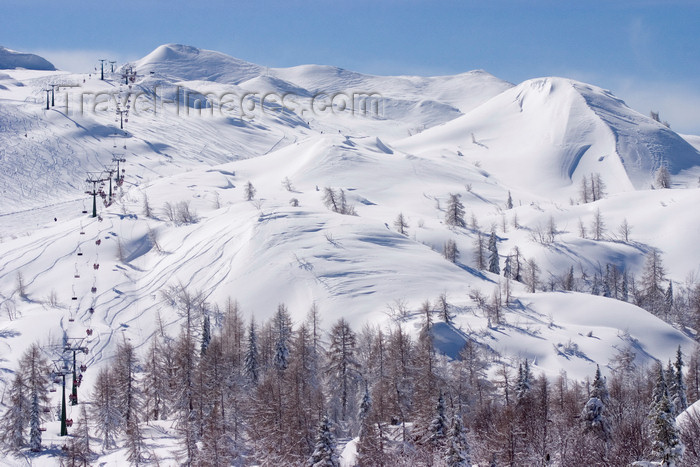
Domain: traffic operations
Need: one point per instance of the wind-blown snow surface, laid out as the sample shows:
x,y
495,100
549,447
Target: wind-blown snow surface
x,y
470,134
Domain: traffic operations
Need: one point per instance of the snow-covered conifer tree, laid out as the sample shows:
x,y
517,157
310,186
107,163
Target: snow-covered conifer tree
x,y
251,365
458,452
493,256
593,413
454,213
324,454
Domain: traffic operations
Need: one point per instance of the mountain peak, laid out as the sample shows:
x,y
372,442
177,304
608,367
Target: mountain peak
x,y
188,63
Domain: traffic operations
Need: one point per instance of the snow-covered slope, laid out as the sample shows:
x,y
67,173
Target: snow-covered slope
x,y
11,59
549,133
470,134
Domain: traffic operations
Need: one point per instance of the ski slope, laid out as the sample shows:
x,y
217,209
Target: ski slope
x,y
470,134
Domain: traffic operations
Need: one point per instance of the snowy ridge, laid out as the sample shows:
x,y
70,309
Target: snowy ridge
x,y
11,59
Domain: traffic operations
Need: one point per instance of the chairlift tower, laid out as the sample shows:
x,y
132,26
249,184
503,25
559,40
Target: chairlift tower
x,y
111,64
47,97
94,178
102,68
53,86
123,114
61,370
119,179
129,74
74,345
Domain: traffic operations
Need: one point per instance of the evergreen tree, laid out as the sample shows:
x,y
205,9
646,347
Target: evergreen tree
x,y
524,382
324,454
595,285
624,294
568,283
282,324
401,224
454,214
479,255
668,299
206,334
509,202
458,453
437,431
249,191
517,265
660,389
251,366
678,392
493,256
667,444
508,269
606,282
593,414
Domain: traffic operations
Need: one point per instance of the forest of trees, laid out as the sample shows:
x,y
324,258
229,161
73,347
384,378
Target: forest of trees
x,y
285,393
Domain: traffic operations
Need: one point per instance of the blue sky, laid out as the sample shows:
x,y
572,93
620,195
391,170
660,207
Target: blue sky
x,y
646,52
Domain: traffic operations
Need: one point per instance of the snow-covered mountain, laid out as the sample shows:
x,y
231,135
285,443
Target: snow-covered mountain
x,y
470,134
11,59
